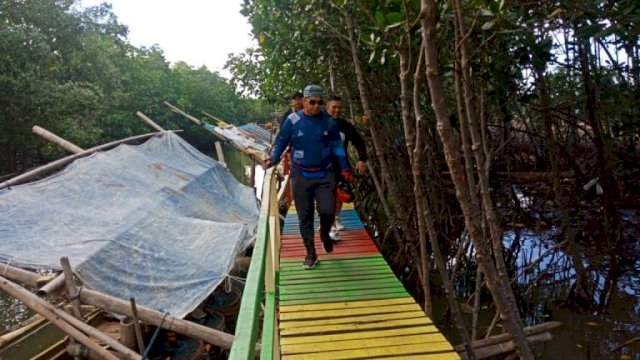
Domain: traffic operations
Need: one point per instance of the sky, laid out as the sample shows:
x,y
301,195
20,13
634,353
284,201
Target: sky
x,y
198,32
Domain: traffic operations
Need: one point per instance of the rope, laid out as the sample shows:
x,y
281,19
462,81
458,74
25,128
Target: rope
x,y
155,335
77,294
6,267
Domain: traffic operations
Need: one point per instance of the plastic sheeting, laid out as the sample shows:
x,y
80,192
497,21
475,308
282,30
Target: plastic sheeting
x,y
242,139
160,222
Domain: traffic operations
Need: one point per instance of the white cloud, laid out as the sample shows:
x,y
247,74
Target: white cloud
x,y
198,32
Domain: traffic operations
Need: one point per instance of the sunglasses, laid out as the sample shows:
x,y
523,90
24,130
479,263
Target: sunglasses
x,y
314,102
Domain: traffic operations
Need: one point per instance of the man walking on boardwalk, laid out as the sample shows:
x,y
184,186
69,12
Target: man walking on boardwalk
x,y
314,142
296,105
349,135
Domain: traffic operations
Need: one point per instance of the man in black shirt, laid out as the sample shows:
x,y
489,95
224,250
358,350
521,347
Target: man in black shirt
x,y
296,105
349,134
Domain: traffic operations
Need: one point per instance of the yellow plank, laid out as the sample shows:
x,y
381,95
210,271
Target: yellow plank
x,y
407,330
368,352
435,339
444,356
333,313
348,206
348,304
362,319
354,327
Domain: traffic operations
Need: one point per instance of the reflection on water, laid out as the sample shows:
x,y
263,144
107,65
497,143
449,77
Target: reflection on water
x,y
601,311
13,312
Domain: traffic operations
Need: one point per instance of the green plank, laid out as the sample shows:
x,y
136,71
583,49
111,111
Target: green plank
x,y
330,274
400,294
335,270
341,277
268,327
340,258
335,263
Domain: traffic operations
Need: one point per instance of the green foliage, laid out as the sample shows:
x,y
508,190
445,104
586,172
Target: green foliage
x,y
74,73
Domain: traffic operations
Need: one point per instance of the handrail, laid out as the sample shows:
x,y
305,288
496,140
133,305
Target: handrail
x,y
261,280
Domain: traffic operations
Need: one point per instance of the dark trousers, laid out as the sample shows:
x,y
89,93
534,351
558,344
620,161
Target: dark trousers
x,y
305,192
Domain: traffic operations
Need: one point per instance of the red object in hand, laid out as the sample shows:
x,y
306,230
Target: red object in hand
x,y
347,176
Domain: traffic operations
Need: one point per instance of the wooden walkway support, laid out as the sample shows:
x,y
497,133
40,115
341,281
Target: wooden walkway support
x,y
350,306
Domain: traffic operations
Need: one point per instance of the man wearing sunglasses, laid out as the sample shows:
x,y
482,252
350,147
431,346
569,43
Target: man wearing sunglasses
x,y
314,142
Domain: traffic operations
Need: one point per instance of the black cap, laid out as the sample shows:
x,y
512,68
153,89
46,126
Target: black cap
x,y
296,95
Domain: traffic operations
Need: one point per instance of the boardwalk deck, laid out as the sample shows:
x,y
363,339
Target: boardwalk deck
x,y
351,306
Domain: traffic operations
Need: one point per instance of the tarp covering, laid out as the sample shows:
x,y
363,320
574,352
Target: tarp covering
x,y
160,222
258,132
247,140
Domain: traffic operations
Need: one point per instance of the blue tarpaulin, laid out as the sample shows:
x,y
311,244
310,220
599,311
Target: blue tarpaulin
x,y
160,222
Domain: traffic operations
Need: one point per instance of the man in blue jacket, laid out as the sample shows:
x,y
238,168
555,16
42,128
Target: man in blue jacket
x,y
314,142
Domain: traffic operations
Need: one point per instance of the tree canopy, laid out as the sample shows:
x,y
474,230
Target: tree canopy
x,y
73,71
466,95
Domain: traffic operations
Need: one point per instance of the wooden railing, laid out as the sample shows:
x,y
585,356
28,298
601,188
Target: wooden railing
x,y
261,283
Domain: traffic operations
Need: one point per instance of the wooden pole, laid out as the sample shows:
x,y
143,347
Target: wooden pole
x,y
127,332
28,278
72,290
528,331
505,347
252,173
157,318
220,153
136,322
211,116
192,118
64,161
150,122
62,320
52,286
33,323
81,352
67,145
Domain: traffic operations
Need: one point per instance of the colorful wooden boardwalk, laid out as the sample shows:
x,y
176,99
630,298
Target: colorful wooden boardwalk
x,y
351,306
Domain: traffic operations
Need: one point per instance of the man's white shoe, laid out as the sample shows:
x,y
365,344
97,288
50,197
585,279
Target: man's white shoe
x,y
338,225
333,234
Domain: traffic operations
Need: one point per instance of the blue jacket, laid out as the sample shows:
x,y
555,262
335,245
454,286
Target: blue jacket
x,y
314,141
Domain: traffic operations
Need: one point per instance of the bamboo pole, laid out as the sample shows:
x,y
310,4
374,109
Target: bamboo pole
x,y
150,122
157,318
28,278
65,144
252,173
528,331
127,332
52,286
220,153
62,162
65,321
136,322
506,347
211,116
192,118
72,290
33,323
81,352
